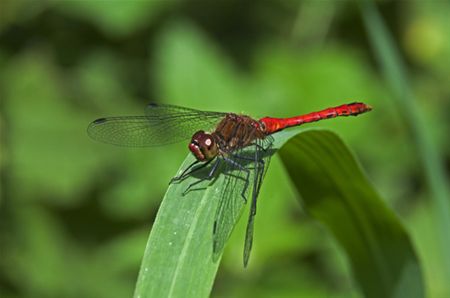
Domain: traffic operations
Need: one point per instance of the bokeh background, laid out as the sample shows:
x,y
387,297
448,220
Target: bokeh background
x,y
75,214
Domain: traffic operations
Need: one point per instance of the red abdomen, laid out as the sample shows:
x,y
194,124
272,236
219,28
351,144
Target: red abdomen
x,y
272,125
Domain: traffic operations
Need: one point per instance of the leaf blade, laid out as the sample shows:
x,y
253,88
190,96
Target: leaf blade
x,y
179,243
335,191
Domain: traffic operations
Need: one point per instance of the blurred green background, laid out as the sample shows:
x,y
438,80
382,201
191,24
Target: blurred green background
x,y
75,214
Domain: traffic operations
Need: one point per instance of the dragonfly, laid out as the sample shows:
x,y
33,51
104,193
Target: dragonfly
x,y
235,145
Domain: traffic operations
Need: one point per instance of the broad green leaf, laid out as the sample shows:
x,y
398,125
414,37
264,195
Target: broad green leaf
x,y
178,259
335,191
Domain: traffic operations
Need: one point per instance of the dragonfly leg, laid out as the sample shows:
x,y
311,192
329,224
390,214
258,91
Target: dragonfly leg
x,y
189,170
208,177
261,147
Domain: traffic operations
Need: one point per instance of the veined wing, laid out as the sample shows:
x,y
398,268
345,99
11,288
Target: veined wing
x,y
244,170
262,160
162,124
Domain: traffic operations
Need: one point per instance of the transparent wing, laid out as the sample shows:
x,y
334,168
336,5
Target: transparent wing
x,y
232,199
262,160
244,170
162,124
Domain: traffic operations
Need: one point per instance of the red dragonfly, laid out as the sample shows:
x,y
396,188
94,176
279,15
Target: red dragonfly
x,y
236,145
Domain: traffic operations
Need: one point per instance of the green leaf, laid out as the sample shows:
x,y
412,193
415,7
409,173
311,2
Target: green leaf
x,y
335,191
178,259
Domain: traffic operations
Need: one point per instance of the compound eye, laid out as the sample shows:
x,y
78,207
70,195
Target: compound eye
x,y
197,137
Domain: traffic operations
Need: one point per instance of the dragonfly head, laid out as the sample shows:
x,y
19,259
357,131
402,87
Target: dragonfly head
x,y
203,146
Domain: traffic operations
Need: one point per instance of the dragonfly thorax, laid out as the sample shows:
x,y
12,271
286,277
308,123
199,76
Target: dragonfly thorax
x,y
203,146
